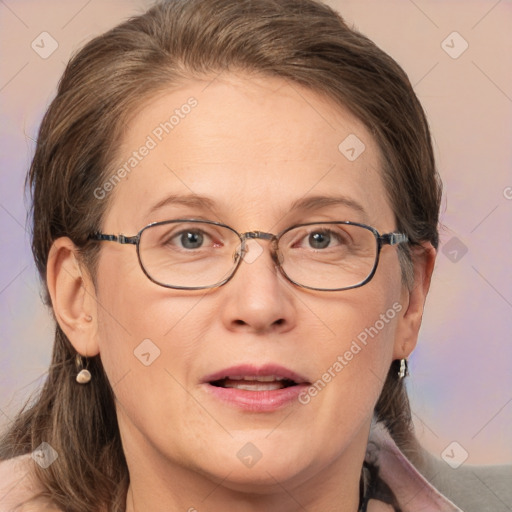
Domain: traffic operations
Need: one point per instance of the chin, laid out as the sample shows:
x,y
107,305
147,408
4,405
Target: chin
x,y
262,479
260,466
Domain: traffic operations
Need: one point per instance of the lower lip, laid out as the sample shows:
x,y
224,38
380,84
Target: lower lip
x,y
257,401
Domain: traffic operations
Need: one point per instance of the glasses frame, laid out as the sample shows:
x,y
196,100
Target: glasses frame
x,y
381,240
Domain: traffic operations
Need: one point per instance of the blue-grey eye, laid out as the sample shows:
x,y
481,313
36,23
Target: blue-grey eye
x,y
319,240
191,239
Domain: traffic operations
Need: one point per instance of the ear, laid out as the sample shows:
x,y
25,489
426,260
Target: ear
x,y
73,297
408,326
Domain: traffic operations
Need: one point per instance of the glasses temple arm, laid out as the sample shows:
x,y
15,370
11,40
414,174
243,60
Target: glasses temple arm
x,y
121,239
394,238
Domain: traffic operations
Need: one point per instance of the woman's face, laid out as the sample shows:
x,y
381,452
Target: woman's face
x,y
250,153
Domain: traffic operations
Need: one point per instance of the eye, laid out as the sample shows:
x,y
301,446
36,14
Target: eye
x,y
324,238
190,239
185,239
193,238
319,240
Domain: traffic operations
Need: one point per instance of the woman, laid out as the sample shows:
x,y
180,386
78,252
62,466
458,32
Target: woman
x,y
273,171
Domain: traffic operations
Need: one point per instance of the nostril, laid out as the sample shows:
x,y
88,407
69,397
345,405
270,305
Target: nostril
x,y
241,323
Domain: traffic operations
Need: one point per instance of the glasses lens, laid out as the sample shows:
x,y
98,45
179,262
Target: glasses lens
x,y
188,254
328,256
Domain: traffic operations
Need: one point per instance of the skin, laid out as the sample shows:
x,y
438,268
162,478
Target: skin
x,y
253,146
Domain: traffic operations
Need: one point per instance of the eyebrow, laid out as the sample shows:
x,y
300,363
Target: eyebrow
x,y
191,200
319,202
306,203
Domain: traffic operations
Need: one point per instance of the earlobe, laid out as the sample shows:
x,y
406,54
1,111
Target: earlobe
x,y
73,296
409,324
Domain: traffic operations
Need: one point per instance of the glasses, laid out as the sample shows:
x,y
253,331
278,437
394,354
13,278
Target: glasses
x,y
189,254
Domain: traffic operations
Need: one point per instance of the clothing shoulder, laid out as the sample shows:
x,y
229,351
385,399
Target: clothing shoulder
x,y
473,488
436,486
17,487
411,490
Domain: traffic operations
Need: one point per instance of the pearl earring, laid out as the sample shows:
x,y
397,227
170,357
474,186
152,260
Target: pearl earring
x,y
84,375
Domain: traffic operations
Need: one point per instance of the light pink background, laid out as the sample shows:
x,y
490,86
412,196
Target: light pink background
x,y
461,378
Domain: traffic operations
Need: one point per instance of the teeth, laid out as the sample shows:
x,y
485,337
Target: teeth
x,y
255,387
254,378
254,382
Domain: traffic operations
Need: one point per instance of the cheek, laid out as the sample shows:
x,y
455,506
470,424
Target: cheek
x,y
149,339
141,325
358,342
362,342
351,354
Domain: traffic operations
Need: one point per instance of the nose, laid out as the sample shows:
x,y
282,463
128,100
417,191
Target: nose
x,y
258,298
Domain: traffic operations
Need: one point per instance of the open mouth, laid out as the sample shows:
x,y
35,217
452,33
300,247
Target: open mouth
x,y
254,383
256,388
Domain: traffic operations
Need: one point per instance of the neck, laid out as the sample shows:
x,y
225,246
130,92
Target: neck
x,y
220,498
161,485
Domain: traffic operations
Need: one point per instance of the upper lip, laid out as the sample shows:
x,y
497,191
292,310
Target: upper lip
x,y
250,370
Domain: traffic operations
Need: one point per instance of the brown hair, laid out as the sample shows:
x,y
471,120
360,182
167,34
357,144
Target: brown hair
x,y
302,41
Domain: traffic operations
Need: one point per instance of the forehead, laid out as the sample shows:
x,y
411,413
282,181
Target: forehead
x,y
252,145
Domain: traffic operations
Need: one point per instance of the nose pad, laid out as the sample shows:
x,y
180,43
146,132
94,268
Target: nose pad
x,y
246,253
252,252
239,252
277,257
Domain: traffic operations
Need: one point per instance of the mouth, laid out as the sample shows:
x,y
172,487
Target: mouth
x,y
254,383
256,389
